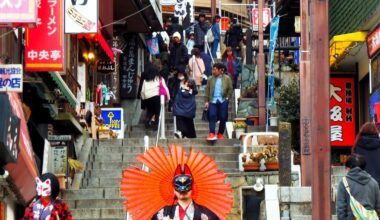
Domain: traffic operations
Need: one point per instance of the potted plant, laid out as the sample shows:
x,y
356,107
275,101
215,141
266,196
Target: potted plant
x,y
271,157
252,162
240,127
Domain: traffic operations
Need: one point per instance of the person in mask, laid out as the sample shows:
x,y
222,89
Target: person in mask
x,y
47,204
217,95
184,105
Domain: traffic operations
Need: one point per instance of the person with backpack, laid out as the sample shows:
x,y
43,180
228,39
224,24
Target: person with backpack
x,y
358,193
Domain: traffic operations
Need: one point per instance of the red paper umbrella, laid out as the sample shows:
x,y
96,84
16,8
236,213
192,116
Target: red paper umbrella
x,y
147,192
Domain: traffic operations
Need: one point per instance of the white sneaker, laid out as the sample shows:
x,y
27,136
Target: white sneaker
x,y
178,135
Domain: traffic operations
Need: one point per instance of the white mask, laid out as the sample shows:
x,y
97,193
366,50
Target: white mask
x,y
43,188
181,78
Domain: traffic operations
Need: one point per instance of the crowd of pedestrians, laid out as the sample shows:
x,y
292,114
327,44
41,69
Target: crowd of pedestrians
x,y
183,67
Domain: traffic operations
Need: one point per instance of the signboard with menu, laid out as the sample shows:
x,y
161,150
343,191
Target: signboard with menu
x,y
342,111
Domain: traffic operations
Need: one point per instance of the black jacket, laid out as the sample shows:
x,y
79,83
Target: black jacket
x,y
233,36
363,188
369,147
178,56
199,210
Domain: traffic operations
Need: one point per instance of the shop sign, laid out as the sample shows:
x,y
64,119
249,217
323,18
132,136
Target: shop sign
x,y
373,42
59,160
128,68
18,11
81,16
105,66
255,18
59,137
168,8
114,119
224,23
168,2
342,111
9,132
11,76
44,45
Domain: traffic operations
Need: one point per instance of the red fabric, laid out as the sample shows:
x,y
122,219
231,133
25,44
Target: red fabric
x,y
98,94
182,212
45,202
230,66
60,211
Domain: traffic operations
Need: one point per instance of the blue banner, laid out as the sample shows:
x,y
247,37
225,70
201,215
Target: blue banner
x,y
274,25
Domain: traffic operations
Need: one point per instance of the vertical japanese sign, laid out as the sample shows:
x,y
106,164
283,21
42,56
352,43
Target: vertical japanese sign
x,y
44,45
81,16
342,111
18,11
11,78
59,160
184,9
128,68
255,18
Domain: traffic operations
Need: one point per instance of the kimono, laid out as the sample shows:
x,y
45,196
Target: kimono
x,y
58,210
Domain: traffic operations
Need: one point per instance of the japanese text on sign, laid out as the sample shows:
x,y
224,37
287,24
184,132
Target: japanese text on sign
x,y
255,17
59,160
11,76
128,69
44,46
342,112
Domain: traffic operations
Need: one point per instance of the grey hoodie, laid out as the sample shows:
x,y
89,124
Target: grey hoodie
x,y
363,188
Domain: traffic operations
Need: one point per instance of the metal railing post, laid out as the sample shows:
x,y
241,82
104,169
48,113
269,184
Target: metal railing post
x,y
162,118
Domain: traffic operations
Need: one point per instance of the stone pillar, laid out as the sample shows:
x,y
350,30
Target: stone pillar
x,y
285,147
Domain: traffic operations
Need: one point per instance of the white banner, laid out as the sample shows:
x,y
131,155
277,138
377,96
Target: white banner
x,y
11,76
81,16
168,2
184,8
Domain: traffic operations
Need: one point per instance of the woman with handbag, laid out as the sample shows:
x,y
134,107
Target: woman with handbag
x,y
196,67
153,85
184,107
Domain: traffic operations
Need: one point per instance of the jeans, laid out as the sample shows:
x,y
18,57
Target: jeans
x,y
214,47
218,112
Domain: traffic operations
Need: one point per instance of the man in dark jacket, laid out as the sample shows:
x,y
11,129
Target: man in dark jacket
x,y
362,187
233,36
200,30
178,53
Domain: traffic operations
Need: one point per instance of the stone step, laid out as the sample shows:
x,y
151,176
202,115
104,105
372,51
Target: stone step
x,y
95,203
140,142
222,165
140,149
120,157
92,193
99,213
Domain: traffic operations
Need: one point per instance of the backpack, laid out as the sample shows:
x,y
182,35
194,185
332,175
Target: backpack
x,y
358,210
210,35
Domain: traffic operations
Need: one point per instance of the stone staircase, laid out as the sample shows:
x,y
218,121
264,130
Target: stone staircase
x,y
99,196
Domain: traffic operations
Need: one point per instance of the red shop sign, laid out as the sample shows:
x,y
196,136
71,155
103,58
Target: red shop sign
x,y
342,111
373,42
44,45
255,17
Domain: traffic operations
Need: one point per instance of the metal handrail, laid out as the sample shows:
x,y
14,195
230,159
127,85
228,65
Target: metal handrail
x,y
207,47
161,121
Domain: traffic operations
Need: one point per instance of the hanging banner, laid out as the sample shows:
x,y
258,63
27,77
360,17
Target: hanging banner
x,y
114,119
15,12
11,76
342,111
255,18
81,16
128,68
373,42
44,45
184,9
152,45
274,25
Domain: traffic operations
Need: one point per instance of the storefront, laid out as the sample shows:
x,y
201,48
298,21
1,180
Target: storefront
x,y
373,48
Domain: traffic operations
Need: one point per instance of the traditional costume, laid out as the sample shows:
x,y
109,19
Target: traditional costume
x,y
150,195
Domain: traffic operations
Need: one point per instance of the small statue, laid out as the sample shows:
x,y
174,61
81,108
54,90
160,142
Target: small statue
x,y
262,165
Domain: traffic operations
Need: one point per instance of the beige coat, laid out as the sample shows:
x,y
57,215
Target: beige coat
x,y
198,69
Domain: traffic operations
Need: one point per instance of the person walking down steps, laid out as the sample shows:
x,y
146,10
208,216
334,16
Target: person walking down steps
x,y
184,106
217,95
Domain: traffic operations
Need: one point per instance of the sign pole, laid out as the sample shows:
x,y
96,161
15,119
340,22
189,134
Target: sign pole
x,y
305,85
261,63
320,103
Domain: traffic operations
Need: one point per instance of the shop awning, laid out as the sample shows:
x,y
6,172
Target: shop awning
x,y
102,41
68,120
340,45
64,88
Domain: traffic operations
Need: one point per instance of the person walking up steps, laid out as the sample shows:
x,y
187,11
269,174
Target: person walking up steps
x,y
217,95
